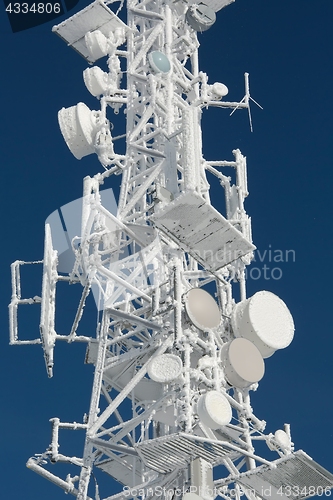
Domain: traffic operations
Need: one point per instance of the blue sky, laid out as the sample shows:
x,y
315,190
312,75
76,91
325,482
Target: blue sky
x,y
287,49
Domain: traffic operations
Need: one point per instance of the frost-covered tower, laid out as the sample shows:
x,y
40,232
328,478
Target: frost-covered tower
x,y
175,356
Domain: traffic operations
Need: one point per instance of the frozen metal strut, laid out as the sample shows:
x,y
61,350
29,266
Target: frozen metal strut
x,y
175,356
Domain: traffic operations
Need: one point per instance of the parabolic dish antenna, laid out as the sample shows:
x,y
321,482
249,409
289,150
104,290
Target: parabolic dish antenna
x,y
202,309
265,320
200,16
78,129
282,438
214,410
96,80
243,363
165,368
219,89
159,62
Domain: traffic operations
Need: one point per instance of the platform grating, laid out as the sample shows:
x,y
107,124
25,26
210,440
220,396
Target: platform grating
x,y
166,453
296,476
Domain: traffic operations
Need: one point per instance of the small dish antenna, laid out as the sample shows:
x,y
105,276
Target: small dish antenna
x,y
214,410
165,368
78,125
202,309
159,62
282,439
243,363
96,80
200,16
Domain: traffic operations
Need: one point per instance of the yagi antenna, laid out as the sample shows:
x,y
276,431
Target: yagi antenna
x,y
246,100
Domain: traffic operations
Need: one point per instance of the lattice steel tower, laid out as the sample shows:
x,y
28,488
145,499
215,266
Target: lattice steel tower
x,y
175,356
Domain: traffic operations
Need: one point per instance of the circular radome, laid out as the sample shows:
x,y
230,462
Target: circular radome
x,y
214,409
165,368
243,363
202,309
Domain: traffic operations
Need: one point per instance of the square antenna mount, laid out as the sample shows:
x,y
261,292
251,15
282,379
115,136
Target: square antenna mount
x,y
202,231
96,16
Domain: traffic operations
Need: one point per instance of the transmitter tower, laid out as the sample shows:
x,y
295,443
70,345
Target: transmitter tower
x,y
176,356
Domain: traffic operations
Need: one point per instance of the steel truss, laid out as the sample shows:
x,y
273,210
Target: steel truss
x,y
165,240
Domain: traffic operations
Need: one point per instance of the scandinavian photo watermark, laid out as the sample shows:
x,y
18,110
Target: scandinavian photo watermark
x,y
267,264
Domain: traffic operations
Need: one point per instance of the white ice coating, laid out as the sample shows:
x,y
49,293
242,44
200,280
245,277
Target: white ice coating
x,y
265,320
171,387
165,368
214,410
79,125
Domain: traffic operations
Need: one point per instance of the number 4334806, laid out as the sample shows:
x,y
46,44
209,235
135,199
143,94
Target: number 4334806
x,y
35,8
306,491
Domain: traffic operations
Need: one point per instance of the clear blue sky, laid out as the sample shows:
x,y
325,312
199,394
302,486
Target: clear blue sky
x,y
287,49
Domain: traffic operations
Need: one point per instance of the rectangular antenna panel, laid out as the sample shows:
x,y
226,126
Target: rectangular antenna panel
x,y
202,231
96,16
47,318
